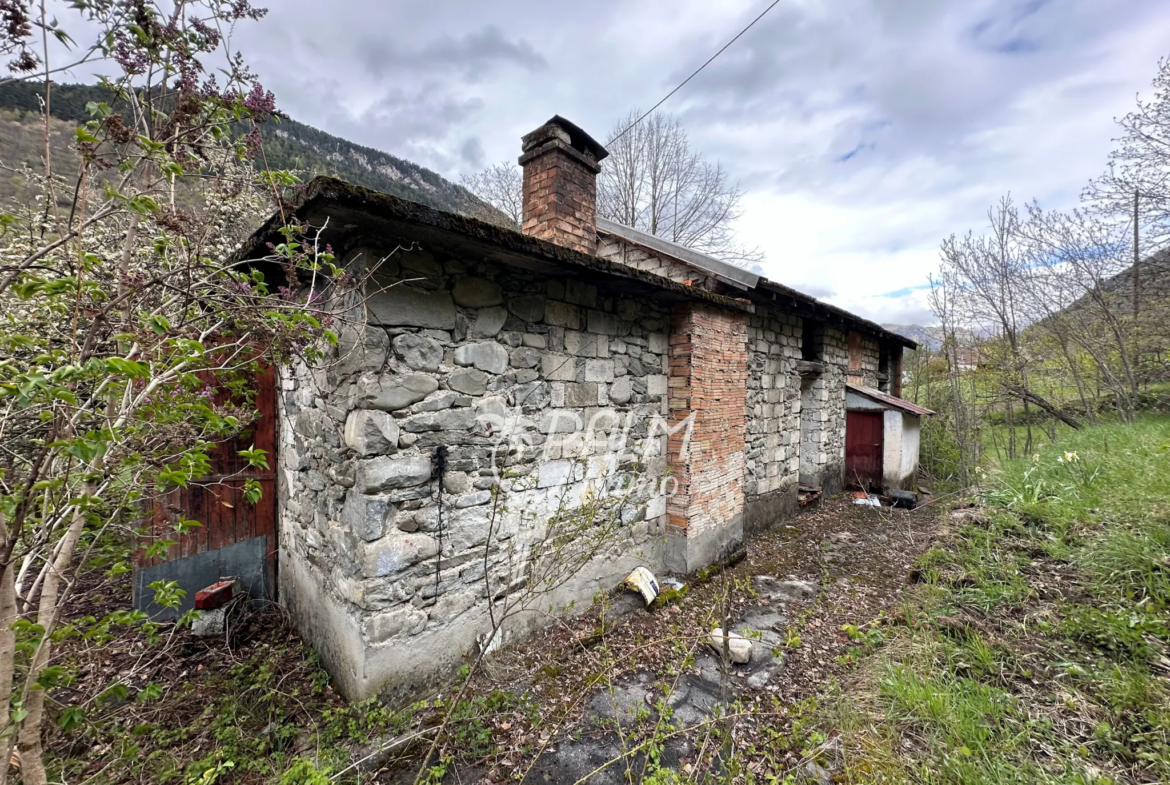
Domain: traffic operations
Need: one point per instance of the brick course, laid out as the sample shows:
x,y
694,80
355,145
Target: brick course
x,y
708,378
560,196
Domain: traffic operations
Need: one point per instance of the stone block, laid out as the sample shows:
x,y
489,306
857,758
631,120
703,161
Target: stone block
x,y
473,499
656,384
524,357
445,420
361,349
456,482
371,432
444,399
486,356
418,351
560,421
580,293
489,321
421,264
561,314
390,392
599,370
384,626
581,395
368,517
554,473
394,552
558,368
529,307
621,390
602,322
586,344
469,381
477,293
405,306
382,474
657,343
535,340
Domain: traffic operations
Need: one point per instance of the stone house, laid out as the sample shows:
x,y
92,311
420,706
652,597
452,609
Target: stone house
x,y
482,348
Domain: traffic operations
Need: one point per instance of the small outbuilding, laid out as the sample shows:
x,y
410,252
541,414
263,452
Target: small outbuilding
x,y
881,439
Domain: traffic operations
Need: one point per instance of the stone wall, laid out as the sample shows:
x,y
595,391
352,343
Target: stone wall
x,y
772,454
822,416
708,388
388,592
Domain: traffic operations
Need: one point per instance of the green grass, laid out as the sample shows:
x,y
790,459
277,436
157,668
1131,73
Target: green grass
x,y
1036,650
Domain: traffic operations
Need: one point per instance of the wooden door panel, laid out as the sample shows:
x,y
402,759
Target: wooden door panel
x,y
863,449
217,501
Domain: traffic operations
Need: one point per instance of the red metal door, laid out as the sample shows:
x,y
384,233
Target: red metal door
x,y
217,502
863,449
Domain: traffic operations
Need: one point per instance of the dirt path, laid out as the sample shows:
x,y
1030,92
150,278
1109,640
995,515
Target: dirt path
x,y
618,681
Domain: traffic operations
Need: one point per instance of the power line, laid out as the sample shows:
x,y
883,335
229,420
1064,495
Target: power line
x,y
696,73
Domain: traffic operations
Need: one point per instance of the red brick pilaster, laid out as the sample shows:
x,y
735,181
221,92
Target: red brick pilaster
x,y
708,378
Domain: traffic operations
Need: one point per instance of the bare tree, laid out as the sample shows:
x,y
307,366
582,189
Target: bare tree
x,y
655,182
1138,176
1074,261
501,186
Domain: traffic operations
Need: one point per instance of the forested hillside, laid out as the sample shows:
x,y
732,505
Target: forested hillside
x,y
288,144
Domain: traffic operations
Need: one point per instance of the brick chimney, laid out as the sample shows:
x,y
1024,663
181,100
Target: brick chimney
x,y
561,163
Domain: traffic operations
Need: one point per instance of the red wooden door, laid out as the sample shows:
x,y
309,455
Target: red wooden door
x,y
863,449
217,502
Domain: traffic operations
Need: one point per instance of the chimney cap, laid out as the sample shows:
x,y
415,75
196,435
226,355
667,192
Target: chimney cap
x,y
578,139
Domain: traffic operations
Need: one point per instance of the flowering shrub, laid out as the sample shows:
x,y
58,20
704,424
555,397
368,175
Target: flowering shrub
x,y
121,307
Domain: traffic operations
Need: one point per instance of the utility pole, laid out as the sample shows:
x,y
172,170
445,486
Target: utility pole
x,y
1136,288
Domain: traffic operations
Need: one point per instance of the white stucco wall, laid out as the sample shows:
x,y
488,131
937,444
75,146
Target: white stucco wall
x,y
911,431
900,439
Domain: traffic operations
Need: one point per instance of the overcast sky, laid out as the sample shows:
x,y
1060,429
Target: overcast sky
x,y
863,131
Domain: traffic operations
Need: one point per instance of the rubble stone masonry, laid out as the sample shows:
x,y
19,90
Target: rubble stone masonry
x,y
772,460
391,594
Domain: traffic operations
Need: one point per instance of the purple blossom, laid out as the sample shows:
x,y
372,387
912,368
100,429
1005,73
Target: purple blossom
x,y
260,102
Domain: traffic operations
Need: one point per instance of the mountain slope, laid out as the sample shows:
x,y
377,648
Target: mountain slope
x,y
287,145
929,337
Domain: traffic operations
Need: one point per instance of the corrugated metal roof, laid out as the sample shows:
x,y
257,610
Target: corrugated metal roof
x,y
708,264
889,400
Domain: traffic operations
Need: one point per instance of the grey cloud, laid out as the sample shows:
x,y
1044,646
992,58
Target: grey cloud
x,y
896,122
474,56
472,153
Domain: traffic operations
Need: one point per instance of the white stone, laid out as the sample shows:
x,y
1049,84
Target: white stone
x,y
418,351
473,499
390,392
599,370
658,343
656,507
402,305
657,384
384,626
486,356
383,474
469,381
395,552
554,473
371,432
367,517
477,293
739,647
489,321
558,368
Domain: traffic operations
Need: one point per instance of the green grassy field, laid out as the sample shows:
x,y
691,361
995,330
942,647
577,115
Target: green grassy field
x,y
1035,648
